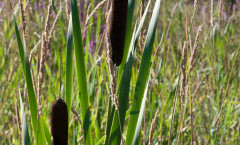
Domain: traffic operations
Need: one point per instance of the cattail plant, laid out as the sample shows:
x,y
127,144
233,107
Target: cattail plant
x,y
59,122
117,29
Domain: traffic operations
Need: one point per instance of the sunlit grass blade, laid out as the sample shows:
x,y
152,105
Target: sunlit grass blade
x,y
81,74
46,130
69,69
31,94
26,137
111,110
143,75
101,140
75,132
140,117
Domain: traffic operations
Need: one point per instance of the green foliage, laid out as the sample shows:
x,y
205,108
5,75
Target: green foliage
x,y
26,138
81,73
31,94
148,78
143,75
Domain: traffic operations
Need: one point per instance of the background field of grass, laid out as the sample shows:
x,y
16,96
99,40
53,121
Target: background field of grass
x,y
215,108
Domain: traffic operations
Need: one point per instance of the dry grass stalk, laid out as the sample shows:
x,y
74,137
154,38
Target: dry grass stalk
x,y
153,127
220,11
88,10
212,18
195,46
41,68
195,4
112,71
190,68
13,70
18,120
183,74
190,42
81,137
76,115
25,90
141,37
44,48
196,90
112,67
28,11
54,23
192,60
66,9
94,11
23,16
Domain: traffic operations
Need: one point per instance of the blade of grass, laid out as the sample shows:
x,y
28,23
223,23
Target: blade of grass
x,y
46,130
143,75
26,138
81,74
31,95
140,117
111,110
101,140
69,69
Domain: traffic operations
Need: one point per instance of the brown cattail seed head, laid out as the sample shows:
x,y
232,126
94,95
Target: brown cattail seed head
x,y
59,122
117,29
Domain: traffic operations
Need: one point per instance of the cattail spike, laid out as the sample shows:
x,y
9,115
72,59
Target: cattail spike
x,y
59,122
117,29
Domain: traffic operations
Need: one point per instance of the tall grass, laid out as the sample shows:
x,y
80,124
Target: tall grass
x,y
195,91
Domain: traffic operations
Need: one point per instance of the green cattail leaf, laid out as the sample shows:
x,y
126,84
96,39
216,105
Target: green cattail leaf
x,y
115,137
140,117
69,68
81,74
111,110
31,94
26,137
101,140
143,75
46,130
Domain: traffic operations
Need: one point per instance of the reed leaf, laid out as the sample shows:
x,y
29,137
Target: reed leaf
x,y
46,130
31,94
69,68
143,75
140,117
81,74
26,137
